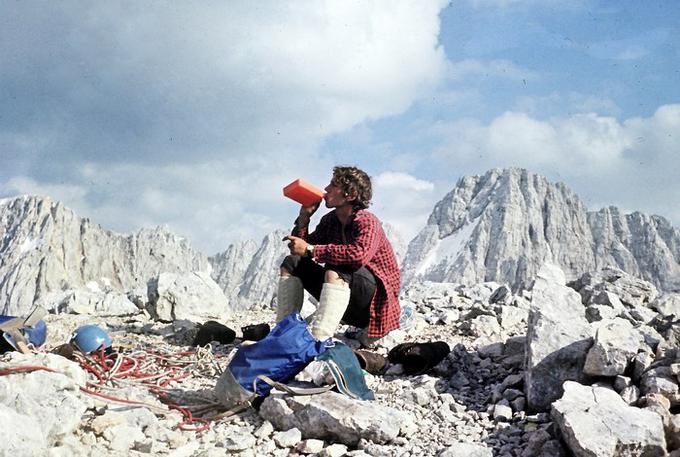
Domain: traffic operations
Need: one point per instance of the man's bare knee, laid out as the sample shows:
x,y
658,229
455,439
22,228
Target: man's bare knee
x,y
332,277
285,273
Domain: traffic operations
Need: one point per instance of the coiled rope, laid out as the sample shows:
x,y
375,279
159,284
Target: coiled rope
x,y
153,370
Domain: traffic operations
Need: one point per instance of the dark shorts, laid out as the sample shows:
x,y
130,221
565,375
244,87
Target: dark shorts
x,y
361,283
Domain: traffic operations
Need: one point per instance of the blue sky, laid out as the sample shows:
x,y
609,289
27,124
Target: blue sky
x,y
196,115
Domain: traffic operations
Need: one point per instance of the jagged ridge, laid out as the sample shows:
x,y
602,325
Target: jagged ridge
x,y
46,247
504,225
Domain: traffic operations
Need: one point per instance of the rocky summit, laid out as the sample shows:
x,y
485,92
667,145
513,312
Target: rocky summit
x,y
563,327
502,226
45,248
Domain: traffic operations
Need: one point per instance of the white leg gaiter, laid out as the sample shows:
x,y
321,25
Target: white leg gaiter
x,y
332,305
290,296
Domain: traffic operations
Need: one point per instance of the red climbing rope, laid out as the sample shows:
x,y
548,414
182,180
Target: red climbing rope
x,y
151,369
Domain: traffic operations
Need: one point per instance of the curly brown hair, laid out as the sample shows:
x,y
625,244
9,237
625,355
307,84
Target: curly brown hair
x,y
352,179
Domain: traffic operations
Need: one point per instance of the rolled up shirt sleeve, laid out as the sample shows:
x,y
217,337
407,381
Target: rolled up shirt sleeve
x,y
359,252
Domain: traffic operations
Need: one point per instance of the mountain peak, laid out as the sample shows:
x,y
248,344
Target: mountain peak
x,y
503,225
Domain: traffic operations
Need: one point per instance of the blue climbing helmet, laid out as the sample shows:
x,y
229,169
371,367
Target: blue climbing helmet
x,y
89,338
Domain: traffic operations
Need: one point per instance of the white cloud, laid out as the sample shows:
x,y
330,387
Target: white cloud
x,y
196,115
499,68
557,103
24,185
404,201
526,3
397,180
632,163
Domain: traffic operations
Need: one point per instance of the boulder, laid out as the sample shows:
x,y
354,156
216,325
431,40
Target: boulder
x,y
597,312
90,300
668,305
502,296
466,450
659,380
193,296
334,417
674,432
46,405
595,421
558,339
27,436
616,343
631,291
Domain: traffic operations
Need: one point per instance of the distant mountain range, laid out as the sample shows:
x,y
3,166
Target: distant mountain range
x,y
504,225
501,227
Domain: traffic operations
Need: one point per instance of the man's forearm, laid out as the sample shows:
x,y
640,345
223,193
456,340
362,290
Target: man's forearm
x,y
301,227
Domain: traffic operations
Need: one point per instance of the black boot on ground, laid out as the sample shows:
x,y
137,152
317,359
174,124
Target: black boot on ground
x,y
255,332
214,331
417,358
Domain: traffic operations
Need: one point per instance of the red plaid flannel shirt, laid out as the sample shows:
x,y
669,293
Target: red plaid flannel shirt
x,y
364,244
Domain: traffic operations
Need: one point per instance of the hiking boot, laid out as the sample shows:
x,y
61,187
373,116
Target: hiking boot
x,y
417,358
371,362
255,332
214,331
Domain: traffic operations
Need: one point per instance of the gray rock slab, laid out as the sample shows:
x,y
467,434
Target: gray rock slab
x,y
289,438
616,343
48,248
558,338
668,305
51,400
595,421
193,296
466,450
334,417
25,434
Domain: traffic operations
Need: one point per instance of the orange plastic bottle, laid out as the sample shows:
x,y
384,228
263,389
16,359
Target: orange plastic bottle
x,y
303,192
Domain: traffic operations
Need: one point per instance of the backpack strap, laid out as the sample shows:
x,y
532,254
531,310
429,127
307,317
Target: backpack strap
x,y
346,371
340,380
292,390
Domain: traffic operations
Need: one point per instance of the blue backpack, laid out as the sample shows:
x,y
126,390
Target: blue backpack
x,y
271,362
30,329
276,359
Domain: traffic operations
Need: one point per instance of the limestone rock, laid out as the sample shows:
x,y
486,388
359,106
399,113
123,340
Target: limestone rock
x,y
46,247
26,436
310,446
501,226
659,380
616,343
334,450
398,244
89,300
504,225
333,417
611,286
674,432
595,421
466,450
668,305
49,400
193,296
289,438
558,338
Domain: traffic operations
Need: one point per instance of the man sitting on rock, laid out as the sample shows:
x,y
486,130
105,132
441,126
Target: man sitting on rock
x,y
346,263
